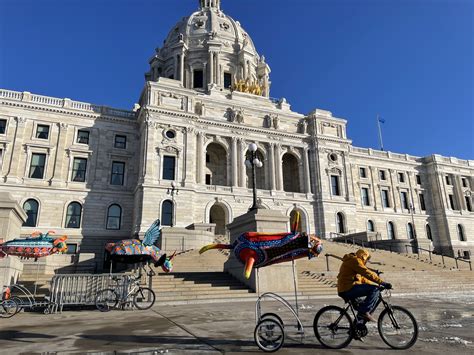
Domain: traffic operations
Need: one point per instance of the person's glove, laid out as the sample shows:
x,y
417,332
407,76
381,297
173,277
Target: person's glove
x,y
386,285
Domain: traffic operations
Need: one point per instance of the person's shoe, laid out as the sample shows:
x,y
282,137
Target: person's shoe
x,y
368,317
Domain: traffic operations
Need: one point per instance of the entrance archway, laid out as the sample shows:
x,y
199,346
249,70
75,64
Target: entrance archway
x,y
218,215
291,176
216,165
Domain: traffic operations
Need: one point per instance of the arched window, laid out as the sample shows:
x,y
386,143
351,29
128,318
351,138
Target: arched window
x,y
461,235
114,216
73,215
411,231
370,226
428,232
391,230
167,213
31,209
291,175
340,227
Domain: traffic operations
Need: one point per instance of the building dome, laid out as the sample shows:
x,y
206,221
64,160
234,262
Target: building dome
x,y
210,49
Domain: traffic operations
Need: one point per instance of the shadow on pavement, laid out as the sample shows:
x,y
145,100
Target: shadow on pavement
x,y
15,335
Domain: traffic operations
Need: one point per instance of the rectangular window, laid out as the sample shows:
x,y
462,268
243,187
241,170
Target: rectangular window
x,y
385,199
448,180
71,248
37,166
227,80
208,179
418,179
422,202
335,185
464,182
118,171
451,201
42,131
198,79
404,200
120,142
363,173
3,126
208,158
383,175
79,168
82,136
401,177
468,203
365,196
169,165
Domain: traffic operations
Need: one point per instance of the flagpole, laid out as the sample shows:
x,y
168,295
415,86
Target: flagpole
x,y
380,132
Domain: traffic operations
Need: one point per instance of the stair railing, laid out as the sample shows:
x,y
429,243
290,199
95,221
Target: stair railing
x,y
331,256
456,259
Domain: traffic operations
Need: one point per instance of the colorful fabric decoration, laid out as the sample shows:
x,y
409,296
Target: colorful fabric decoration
x,y
130,251
36,246
256,250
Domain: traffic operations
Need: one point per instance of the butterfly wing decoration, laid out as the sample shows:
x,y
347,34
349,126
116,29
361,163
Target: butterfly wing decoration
x,y
153,233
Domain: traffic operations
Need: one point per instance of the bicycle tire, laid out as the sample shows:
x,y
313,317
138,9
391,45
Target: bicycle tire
x,y
269,335
8,308
144,293
386,319
106,300
347,331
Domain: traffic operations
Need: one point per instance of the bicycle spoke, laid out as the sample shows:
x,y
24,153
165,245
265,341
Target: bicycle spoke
x,y
398,328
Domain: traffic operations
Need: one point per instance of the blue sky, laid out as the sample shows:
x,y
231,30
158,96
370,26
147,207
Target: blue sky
x,y
410,61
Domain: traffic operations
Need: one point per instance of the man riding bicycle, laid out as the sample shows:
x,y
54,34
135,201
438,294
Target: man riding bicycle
x,y
355,280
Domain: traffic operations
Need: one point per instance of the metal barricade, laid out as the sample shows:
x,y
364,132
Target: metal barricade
x,y
82,289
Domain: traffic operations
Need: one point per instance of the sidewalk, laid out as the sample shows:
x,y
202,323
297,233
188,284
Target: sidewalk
x,y
446,325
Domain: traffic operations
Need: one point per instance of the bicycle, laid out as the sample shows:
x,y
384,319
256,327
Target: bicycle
x,y
335,329
8,306
142,297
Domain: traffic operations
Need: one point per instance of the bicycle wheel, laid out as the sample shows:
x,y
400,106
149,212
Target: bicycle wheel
x,y
8,308
144,298
398,327
333,327
269,335
106,300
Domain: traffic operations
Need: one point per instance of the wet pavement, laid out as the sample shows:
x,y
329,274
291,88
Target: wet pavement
x,y
446,324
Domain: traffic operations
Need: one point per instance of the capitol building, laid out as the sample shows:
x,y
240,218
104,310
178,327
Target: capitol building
x,y
100,174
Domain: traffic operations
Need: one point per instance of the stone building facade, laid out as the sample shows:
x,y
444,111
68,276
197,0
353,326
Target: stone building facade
x,y
99,174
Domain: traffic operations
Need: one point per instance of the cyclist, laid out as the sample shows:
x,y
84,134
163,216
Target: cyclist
x,y
355,280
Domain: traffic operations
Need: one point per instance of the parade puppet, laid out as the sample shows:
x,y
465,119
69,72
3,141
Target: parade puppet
x,y
131,251
256,250
36,246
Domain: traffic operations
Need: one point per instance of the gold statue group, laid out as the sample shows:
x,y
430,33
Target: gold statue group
x,y
249,87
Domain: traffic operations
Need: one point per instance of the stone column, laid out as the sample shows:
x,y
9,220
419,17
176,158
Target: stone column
x,y
201,158
459,192
395,190
307,176
181,68
151,159
190,157
176,67
241,158
211,67
17,154
278,167
58,178
235,163
271,165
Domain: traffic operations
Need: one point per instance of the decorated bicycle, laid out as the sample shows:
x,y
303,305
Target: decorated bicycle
x,y
128,289
257,250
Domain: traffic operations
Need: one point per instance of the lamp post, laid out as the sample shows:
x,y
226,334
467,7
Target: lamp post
x,y
252,161
172,192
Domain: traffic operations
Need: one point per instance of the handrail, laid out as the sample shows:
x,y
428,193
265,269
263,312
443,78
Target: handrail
x,y
442,256
333,256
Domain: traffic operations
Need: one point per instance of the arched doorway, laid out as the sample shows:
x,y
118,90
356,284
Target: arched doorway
x,y
340,223
216,165
259,173
303,223
218,215
291,173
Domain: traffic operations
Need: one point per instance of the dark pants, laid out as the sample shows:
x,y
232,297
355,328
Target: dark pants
x,y
370,291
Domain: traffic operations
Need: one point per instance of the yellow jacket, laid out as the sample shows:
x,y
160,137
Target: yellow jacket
x,y
354,272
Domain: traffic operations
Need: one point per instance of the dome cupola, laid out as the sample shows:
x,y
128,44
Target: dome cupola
x,y
210,50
